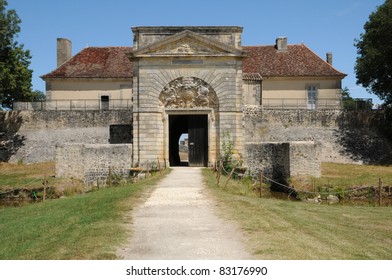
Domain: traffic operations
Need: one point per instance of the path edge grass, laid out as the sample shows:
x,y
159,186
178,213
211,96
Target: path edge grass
x,y
88,226
282,229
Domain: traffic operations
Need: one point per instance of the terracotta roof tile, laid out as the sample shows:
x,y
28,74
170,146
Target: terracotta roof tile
x,y
112,62
96,62
296,61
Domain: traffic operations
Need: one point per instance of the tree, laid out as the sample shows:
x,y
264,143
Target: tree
x,y
15,76
374,48
35,96
348,101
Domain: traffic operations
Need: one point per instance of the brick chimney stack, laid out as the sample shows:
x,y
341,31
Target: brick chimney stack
x,y
64,51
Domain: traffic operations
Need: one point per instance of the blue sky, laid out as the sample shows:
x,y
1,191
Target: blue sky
x,y
323,26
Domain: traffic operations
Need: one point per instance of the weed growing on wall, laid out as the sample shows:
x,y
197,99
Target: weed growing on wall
x,y
229,161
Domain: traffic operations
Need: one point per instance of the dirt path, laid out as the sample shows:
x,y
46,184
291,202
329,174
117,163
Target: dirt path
x,y
178,222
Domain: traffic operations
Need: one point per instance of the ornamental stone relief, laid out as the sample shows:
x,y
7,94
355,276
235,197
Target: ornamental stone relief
x,y
188,92
185,47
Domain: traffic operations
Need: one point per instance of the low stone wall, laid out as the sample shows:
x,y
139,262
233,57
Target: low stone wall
x,y
342,136
70,161
14,121
273,159
305,159
303,117
91,162
280,160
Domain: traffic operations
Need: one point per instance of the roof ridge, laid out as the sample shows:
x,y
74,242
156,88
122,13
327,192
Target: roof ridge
x,y
274,45
106,47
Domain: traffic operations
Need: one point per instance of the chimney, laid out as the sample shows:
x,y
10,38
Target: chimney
x,y
64,51
281,43
329,58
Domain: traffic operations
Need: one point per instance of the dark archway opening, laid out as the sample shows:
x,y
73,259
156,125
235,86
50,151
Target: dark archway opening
x,y
196,126
178,125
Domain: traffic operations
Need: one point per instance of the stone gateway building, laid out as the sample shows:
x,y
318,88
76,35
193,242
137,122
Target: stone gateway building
x,y
194,80
190,79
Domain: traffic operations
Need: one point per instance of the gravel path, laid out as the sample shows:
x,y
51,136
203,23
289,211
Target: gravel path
x,y
178,222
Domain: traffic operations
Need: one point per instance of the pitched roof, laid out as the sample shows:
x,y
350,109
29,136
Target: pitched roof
x,y
296,61
96,62
267,61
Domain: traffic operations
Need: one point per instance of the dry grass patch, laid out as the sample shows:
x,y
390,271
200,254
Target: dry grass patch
x,y
31,176
345,176
281,229
17,175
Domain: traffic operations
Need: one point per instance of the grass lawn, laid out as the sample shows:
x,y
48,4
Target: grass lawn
x,y
346,176
87,226
281,229
26,175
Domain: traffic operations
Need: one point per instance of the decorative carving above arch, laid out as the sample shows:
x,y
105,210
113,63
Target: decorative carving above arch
x,y
188,92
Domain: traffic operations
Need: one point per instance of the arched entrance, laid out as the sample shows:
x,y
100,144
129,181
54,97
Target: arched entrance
x,y
196,127
186,100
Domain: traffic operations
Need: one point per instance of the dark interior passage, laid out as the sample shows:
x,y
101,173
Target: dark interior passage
x,y
196,128
178,125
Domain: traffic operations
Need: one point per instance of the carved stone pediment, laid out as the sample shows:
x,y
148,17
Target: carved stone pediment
x,y
187,47
188,92
187,43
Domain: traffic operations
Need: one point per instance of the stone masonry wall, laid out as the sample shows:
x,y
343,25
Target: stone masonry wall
x,y
31,136
280,160
342,136
305,159
273,159
91,162
70,161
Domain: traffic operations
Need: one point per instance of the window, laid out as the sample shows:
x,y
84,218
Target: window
x,y
104,102
259,94
312,97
